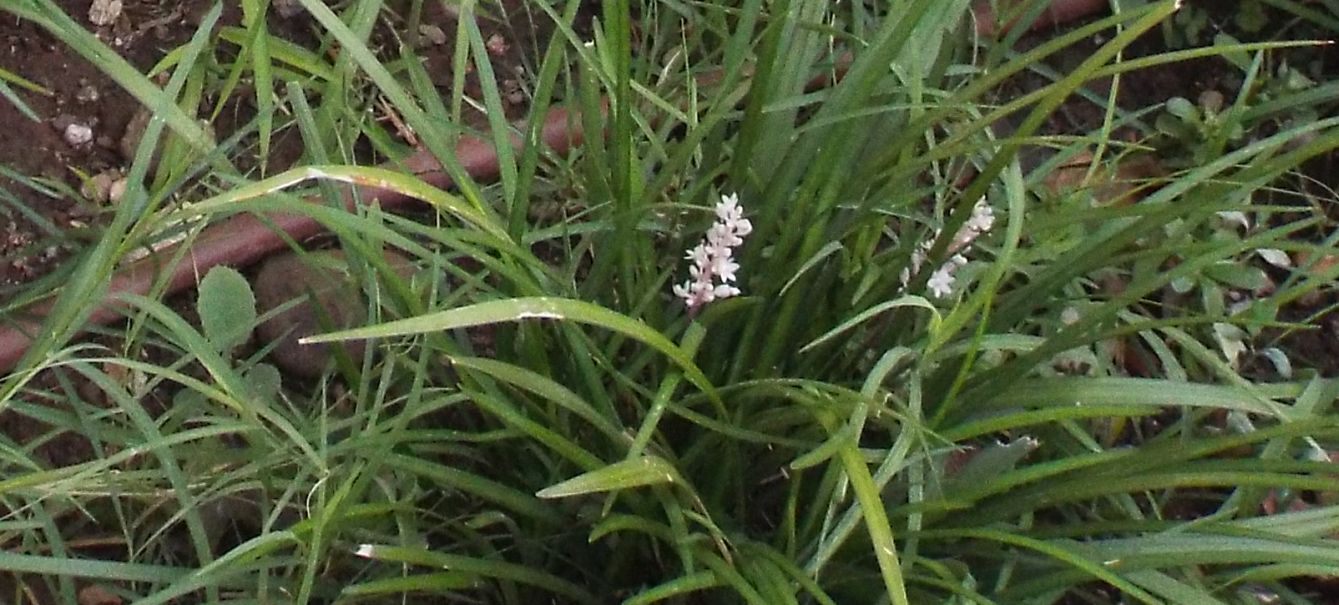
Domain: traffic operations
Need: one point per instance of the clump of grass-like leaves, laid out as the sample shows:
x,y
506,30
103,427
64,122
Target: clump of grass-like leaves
x,y
550,422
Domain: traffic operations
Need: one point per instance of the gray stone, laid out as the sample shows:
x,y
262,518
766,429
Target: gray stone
x,y
322,276
338,304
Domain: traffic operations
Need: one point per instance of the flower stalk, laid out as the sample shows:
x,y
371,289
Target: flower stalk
x,y
713,272
941,282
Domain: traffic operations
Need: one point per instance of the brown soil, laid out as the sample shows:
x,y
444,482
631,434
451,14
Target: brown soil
x,y
36,228
30,245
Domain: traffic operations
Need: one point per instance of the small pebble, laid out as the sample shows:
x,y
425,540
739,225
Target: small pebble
x,y
129,143
324,274
63,121
117,190
88,93
1212,101
497,45
95,594
104,12
511,91
98,188
78,134
291,276
432,34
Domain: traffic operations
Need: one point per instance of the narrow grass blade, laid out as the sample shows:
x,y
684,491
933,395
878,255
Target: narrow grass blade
x,y
518,309
639,472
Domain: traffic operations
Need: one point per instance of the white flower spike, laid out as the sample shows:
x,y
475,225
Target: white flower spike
x,y
941,281
713,257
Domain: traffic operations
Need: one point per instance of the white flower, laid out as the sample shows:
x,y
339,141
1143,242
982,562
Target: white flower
x,y
700,255
722,235
743,227
728,210
713,258
725,291
941,282
724,268
983,217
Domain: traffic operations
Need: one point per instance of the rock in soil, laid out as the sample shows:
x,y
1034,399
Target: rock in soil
x,y
105,187
320,276
129,142
104,12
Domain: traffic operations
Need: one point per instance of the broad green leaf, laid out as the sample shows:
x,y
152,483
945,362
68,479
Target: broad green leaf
x,y
264,380
227,308
1181,108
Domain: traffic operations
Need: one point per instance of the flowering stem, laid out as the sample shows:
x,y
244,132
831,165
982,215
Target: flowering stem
x,y
713,257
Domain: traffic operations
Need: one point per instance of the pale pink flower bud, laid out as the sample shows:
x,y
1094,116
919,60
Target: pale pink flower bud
x,y
743,227
725,291
941,282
